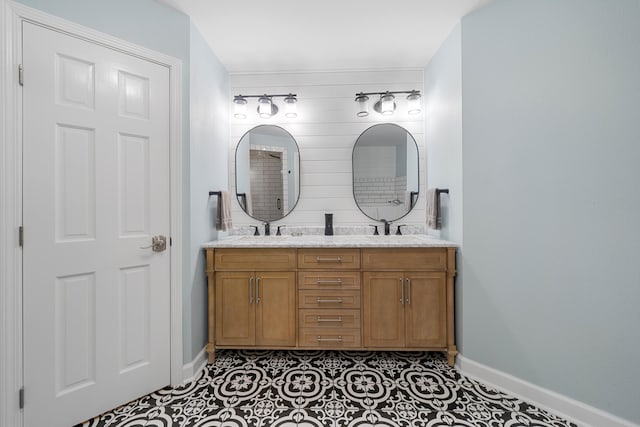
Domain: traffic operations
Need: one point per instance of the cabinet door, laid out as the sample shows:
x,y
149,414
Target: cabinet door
x,y
276,308
425,310
235,314
383,313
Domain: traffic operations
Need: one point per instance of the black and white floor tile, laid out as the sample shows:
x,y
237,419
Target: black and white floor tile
x,y
328,388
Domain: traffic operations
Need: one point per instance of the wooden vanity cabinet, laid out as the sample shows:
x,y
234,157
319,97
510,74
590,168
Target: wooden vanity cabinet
x,y
407,299
404,309
329,259
235,311
329,298
425,314
332,298
255,308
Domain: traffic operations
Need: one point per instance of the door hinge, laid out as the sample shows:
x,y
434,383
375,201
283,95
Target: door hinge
x,y
21,75
170,241
21,236
21,398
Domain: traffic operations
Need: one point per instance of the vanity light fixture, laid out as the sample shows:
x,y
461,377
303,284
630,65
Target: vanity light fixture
x,y
266,107
239,107
413,102
363,105
386,105
290,106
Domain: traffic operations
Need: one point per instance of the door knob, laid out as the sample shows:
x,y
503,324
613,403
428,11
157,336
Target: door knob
x,y
158,244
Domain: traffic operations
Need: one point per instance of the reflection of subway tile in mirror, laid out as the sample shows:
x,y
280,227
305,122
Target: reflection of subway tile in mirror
x,y
267,183
326,130
385,172
379,190
267,179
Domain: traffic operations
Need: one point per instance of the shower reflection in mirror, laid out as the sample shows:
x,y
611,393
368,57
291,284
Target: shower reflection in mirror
x,y
267,173
385,172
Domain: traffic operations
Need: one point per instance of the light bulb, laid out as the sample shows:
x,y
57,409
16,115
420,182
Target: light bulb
x,y
387,106
239,107
363,105
264,107
413,101
290,110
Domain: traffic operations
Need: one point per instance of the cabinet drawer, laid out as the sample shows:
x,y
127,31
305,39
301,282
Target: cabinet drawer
x,y
329,338
419,259
329,319
255,259
328,299
329,259
329,280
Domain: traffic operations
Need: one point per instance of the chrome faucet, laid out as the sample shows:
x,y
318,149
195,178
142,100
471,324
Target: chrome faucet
x,y
267,229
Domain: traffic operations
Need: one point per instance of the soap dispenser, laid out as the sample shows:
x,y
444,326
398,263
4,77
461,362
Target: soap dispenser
x,y
328,224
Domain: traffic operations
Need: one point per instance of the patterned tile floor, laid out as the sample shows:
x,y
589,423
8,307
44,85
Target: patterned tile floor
x,y
329,388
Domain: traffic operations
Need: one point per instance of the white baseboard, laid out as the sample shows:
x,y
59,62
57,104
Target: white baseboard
x,y
191,369
572,410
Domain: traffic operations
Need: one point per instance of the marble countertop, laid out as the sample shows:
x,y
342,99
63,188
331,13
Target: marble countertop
x,y
321,241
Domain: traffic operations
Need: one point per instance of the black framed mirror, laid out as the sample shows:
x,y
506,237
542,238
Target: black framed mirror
x,y
267,173
385,166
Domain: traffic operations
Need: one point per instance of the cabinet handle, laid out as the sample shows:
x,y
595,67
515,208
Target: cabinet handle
x,y
320,339
329,282
409,291
251,290
321,259
339,319
320,300
257,290
402,291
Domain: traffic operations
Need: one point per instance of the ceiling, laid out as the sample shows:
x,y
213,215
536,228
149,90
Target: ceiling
x,y
306,35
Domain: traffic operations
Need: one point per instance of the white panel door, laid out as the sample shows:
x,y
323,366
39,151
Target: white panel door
x,y
96,189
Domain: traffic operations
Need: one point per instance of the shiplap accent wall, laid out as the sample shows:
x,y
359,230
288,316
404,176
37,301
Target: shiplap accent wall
x,y
326,130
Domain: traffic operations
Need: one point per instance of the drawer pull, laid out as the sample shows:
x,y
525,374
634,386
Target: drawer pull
x,y
337,301
321,259
329,282
338,320
320,339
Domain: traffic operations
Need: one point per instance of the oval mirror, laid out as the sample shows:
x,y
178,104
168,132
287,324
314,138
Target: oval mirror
x,y
385,172
267,173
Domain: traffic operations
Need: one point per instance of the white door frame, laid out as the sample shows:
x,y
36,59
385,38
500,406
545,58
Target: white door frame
x,y
11,16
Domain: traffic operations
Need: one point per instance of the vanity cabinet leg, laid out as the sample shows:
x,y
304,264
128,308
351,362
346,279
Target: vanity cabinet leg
x,y
211,351
211,304
452,352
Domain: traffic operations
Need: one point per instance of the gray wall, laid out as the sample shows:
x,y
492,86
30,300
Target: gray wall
x,y
209,171
551,155
443,130
205,131
443,138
